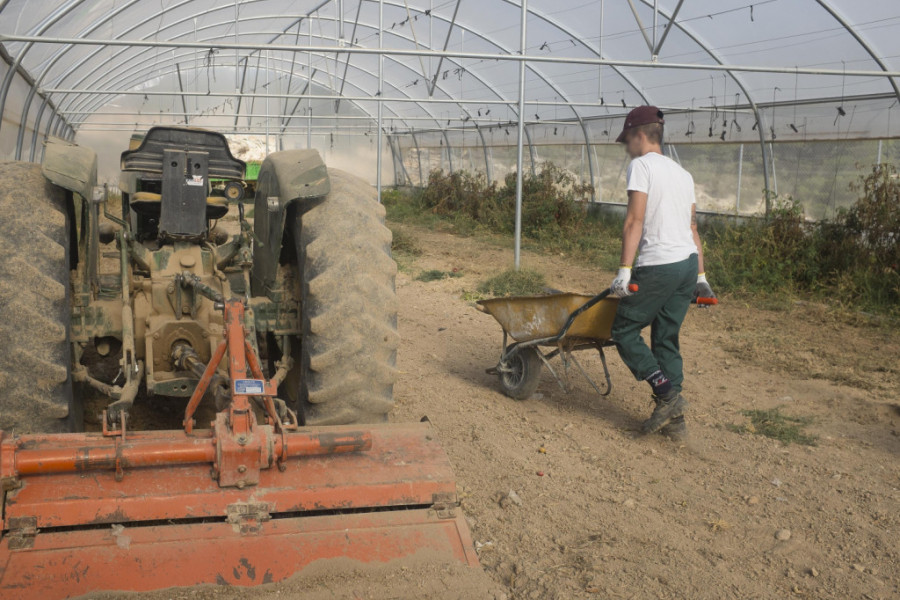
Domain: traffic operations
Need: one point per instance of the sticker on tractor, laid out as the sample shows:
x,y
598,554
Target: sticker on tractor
x,y
249,387
194,180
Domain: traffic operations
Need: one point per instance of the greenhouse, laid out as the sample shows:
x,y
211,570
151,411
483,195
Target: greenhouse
x,y
449,299
784,96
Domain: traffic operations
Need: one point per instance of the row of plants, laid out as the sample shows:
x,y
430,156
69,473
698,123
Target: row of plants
x,y
851,259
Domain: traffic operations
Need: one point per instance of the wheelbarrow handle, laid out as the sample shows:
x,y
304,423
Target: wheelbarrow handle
x,y
633,287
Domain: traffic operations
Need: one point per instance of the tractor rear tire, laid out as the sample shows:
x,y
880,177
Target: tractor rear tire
x,y
348,305
35,354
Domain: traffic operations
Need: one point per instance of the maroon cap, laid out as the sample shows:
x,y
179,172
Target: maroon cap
x,y
642,115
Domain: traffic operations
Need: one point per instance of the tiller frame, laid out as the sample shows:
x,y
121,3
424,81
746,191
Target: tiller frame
x,y
124,510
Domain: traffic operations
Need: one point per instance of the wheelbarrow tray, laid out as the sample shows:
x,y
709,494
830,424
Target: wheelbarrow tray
x,y
527,318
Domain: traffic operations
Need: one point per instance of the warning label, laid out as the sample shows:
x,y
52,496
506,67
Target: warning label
x,y
248,387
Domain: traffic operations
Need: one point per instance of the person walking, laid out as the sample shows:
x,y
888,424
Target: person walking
x,y
661,229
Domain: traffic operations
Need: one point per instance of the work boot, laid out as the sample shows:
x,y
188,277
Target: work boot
x,y
668,406
676,430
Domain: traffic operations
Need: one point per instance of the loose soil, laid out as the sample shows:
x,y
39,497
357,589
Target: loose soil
x,y
608,513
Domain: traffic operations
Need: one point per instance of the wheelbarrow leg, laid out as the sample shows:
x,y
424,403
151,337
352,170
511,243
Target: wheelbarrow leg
x,y
552,370
605,371
566,356
588,377
496,369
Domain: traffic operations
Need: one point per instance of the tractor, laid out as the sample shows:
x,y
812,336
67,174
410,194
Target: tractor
x,y
280,319
314,267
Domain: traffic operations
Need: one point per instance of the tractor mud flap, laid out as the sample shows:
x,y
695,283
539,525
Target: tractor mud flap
x,y
68,534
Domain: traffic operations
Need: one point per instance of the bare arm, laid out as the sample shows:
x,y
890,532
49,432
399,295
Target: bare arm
x,y
634,226
700,268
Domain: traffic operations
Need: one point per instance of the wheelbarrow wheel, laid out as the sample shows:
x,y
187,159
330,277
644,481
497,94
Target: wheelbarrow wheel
x,y
520,374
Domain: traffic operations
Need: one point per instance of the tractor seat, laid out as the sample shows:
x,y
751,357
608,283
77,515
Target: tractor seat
x,y
149,204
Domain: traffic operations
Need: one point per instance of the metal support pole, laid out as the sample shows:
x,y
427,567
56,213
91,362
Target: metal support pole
x,y
309,88
397,157
521,135
449,150
237,52
35,132
774,175
47,130
879,153
539,58
761,128
737,202
488,172
600,55
530,151
380,92
418,159
587,142
183,101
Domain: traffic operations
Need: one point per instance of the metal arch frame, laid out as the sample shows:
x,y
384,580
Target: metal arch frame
x,y
714,55
306,80
366,114
397,116
478,34
123,63
158,14
823,4
433,85
282,70
534,70
39,28
739,81
627,78
46,66
279,69
324,55
539,74
860,40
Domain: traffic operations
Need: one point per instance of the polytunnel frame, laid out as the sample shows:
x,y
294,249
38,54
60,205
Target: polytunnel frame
x,y
58,120
246,59
451,23
124,64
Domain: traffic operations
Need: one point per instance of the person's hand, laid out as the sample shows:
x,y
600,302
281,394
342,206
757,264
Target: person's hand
x,y
703,294
619,287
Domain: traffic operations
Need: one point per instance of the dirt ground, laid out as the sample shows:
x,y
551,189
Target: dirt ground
x,y
608,513
620,515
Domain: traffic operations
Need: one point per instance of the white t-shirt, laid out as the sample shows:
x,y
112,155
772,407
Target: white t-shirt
x,y
667,237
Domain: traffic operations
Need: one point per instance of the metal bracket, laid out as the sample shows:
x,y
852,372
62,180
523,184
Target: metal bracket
x,y
247,517
22,531
445,504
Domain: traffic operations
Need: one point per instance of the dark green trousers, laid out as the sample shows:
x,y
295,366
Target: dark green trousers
x,y
662,300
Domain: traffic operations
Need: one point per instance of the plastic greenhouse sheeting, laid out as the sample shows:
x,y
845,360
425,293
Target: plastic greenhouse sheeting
x,y
752,76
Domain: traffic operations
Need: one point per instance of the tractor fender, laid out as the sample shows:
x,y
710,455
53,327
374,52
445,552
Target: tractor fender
x,y
290,177
70,166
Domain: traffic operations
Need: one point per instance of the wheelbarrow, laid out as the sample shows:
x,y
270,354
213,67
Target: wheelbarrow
x,y
565,322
